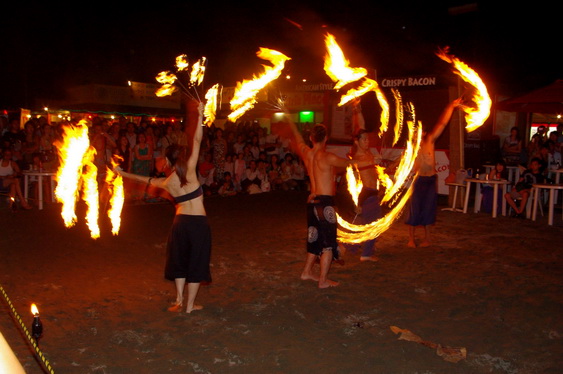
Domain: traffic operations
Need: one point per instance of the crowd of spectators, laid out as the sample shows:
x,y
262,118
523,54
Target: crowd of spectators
x,y
242,158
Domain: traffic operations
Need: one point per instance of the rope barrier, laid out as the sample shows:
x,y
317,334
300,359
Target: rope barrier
x,y
26,332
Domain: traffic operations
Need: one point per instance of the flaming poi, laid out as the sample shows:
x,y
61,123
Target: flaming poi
x,y
337,68
77,169
474,117
397,189
246,91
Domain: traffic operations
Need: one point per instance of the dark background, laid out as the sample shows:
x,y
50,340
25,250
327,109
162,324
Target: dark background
x,y
47,47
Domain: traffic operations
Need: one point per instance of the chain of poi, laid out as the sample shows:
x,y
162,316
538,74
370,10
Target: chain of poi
x,y
26,332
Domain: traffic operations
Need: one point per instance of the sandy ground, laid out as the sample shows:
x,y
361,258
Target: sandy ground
x,y
491,286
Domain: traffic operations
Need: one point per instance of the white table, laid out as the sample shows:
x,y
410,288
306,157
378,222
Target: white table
x,y
39,174
557,173
495,183
457,187
552,189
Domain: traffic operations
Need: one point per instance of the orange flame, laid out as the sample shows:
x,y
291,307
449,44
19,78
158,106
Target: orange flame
x,y
182,62
198,72
167,79
399,114
211,104
115,183
71,153
474,117
90,192
34,310
337,68
354,185
245,92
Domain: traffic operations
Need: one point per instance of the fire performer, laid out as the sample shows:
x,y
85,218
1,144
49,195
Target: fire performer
x,y
189,241
369,208
321,214
422,211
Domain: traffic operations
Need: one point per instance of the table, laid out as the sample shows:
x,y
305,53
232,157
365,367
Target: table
x,y
39,174
495,184
552,189
513,173
457,186
557,173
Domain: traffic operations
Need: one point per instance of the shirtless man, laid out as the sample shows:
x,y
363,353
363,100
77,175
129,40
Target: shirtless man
x,y
424,199
368,209
321,215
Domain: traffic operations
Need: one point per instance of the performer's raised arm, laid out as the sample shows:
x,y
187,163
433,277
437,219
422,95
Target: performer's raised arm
x,y
443,120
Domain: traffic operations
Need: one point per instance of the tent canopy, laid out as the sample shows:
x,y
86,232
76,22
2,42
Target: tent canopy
x,y
548,100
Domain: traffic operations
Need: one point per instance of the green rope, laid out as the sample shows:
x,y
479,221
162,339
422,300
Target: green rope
x,y
26,332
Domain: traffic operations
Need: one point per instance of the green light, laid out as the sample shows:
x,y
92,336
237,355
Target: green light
x,y
306,116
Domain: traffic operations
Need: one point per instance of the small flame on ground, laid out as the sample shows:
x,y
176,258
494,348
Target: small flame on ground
x,y
34,310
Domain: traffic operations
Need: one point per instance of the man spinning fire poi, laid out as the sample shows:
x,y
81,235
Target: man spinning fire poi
x,y
321,214
422,210
189,241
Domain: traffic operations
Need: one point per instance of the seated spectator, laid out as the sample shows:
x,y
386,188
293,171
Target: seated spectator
x,y
227,187
10,183
274,173
229,165
287,172
300,175
239,170
251,176
523,187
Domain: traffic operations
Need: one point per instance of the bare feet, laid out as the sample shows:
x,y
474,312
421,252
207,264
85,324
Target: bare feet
x,y
369,259
305,276
328,283
425,243
195,307
411,244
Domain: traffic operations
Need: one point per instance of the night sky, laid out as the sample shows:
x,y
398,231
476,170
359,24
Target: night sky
x,y
47,47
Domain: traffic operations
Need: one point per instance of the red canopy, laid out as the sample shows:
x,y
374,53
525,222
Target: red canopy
x,y
547,100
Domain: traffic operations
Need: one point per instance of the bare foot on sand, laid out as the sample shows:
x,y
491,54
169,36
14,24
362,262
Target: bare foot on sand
x,y
328,283
195,307
425,243
312,277
411,244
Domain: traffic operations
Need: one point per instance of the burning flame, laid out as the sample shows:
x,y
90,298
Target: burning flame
x,y
475,117
90,193
211,104
182,62
167,79
198,71
115,184
398,114
337,68
71,151
34,310
77,169
354,185
245,92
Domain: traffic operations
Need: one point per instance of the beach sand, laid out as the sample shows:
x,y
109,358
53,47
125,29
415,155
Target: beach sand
x,y
490,286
